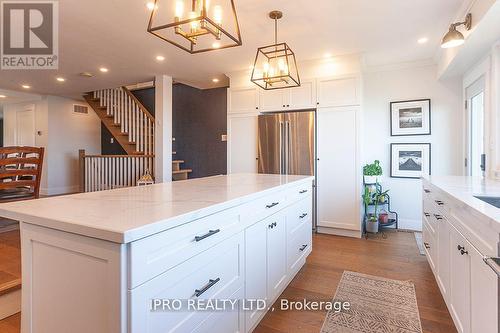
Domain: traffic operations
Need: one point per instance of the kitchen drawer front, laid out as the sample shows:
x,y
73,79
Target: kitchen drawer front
x,y
154,255
297,214
429,246
299,246
218,272
263,207
300,192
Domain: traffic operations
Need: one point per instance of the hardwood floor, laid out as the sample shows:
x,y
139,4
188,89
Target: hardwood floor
x,y
395,257
10,258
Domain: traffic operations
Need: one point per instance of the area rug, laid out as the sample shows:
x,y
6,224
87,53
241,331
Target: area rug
x,y
420,243
376,305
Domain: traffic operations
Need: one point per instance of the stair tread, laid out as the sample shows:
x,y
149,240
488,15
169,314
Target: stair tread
x,y
178,161
182,171
10,283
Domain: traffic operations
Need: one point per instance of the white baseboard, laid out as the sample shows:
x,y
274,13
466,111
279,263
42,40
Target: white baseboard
x,y
339,232
10,304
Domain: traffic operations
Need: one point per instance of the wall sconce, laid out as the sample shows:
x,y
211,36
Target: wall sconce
x,y
454,37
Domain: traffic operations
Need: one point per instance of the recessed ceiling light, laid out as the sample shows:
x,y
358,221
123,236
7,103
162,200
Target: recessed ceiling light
x,y
215,80
328,55
3,96
103,69
160,58
423,40
86,74
60,79
216,45
25,86
151,5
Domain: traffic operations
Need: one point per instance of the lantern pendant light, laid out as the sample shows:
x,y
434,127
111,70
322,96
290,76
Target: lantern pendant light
x,y
275,66
196,25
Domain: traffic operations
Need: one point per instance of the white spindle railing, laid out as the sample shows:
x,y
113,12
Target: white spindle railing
x,y
132,116
105,172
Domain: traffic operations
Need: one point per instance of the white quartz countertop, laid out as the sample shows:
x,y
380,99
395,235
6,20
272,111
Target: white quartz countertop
x,y
466,188
128,214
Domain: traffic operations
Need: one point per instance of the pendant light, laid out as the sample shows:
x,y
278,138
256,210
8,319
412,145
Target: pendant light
x,y
275,66
196,25
454,37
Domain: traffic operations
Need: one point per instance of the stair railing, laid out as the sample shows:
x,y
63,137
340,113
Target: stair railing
x,y
106,172
134,119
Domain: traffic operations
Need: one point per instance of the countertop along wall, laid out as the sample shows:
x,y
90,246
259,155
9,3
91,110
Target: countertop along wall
x,y
420,82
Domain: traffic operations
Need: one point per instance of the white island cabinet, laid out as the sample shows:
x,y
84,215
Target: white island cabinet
x,y
99,262
461,233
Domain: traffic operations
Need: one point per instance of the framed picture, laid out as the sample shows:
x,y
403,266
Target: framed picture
x,y
411,117
410,160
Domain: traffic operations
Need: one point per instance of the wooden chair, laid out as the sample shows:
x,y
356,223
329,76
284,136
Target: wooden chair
x,y
20,173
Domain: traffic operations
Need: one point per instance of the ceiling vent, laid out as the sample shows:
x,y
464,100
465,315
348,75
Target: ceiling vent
x,y
80,109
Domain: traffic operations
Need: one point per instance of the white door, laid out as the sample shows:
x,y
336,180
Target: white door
x,y
255,268
276,254
338,185
25,126
242,143
443,257
460,281
476,155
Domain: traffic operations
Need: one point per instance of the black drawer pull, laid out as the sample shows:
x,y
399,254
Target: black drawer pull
x,y
427,191
303,247
208,234
303,215
272,205
303,191
427,246
210,284
438,217
272,225
427,214
439,202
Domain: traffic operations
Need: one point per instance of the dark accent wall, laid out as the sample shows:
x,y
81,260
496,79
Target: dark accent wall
x,y
147,98
199,121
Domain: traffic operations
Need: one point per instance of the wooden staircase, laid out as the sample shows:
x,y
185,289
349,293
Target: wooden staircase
x,y
177,172
126,119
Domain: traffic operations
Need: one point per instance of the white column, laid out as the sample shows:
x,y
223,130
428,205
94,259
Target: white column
x,y
163,129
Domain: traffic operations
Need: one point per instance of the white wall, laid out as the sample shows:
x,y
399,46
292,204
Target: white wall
x,y
380,88
62,132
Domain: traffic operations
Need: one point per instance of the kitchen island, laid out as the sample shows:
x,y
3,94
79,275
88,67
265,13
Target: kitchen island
x,y
104,261
461,234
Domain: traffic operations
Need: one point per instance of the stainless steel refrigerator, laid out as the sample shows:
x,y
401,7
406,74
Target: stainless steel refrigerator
x,y
287,144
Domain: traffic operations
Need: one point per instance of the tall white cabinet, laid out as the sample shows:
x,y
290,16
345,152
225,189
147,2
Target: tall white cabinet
x,y
338,104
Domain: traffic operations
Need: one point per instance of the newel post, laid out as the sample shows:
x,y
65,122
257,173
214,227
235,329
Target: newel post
x,y
81,168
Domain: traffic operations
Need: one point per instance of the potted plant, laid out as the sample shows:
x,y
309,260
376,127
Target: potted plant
x,y
372,172
371,219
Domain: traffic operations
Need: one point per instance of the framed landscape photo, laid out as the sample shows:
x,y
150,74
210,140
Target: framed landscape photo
x,y
411,117
410,160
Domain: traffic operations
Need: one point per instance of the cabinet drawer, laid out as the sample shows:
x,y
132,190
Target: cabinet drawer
x,y
300,246
429,246
154,255
261,208
297,214
300,192
213,274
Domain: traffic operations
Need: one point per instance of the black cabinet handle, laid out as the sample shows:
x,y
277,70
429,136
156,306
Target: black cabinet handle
x,y
303,247
283,105
288,105
460,248
439,202
427,191
272,225
208,234
303,215
303,191
462,252
272,205
210,284
427,246
438,217
427,214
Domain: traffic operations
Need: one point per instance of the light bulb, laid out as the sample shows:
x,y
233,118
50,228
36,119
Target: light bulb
x,y
266,69
194,24
179,8
218,14
281,66
207,5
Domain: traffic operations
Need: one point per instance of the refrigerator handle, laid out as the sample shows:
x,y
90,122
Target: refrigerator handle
x,y
281,147
288,147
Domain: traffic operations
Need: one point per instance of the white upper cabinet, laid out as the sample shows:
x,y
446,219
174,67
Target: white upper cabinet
x,y
338,92
298,98
243,100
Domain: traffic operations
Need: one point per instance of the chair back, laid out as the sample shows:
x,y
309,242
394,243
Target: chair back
x,y
20,173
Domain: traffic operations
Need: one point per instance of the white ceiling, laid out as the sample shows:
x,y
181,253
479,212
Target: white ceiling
x,y
112,33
